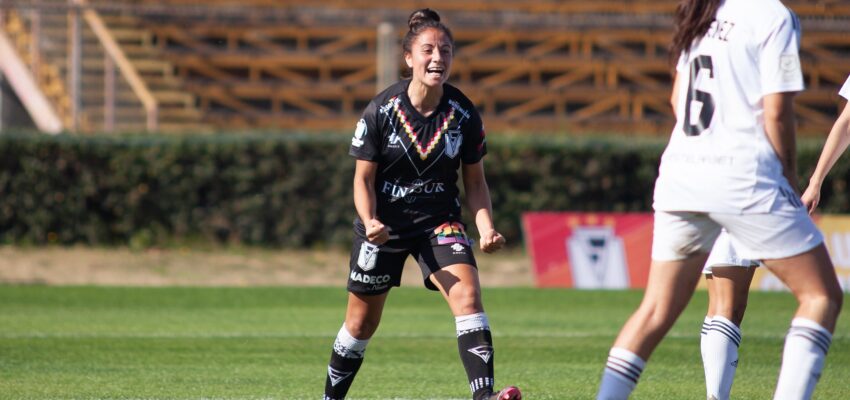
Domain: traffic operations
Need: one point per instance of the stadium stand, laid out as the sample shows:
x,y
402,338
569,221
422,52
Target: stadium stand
x,y
530,66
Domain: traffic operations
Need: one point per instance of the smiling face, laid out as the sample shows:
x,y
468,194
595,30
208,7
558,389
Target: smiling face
x,y
430,57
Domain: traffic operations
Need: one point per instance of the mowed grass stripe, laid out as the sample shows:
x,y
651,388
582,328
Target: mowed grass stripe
x,y
258,343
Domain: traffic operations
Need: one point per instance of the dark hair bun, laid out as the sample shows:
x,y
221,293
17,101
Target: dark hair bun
x,y
421,17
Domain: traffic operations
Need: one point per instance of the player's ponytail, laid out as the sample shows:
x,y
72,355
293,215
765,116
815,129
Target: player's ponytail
x,y
693,18
418,22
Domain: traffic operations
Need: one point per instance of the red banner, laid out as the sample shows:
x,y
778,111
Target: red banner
x,y
589,250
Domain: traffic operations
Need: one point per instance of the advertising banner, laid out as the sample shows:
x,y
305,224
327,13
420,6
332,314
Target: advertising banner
x,y
589,250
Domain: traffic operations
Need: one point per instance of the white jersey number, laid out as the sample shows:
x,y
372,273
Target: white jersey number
x,y
707,110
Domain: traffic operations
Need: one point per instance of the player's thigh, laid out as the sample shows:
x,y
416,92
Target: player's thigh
x,y
811,277
447,246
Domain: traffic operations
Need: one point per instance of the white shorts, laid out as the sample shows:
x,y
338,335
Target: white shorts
x,y
723,254
784,232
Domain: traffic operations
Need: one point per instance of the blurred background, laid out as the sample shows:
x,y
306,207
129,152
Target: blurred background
x,y
180,124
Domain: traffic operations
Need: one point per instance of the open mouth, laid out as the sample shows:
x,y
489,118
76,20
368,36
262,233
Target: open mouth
x,y
438,71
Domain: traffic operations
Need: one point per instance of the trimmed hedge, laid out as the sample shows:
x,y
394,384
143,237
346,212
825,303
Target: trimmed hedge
x,y
292,190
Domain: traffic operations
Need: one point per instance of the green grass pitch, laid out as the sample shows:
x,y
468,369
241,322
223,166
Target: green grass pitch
x,y
274,343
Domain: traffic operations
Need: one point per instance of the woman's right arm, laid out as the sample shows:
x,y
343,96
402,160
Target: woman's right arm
x,y
836,144
365,202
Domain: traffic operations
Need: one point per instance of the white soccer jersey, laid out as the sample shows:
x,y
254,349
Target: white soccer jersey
x,y
719,158
845,90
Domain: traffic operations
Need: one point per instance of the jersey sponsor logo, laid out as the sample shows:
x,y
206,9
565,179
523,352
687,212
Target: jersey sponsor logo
x,y
452,232
408,192
461,110
359,133
453,142
369,279
392,103
394,141
597,258
337,376
484,352
368,256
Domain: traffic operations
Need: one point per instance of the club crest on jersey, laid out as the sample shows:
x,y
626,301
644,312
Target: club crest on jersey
x,y
484,352
359,133
453,141
367,257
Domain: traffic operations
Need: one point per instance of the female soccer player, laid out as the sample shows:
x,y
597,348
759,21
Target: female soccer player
x,y
730,163
728,277
409,144
728,287
836,143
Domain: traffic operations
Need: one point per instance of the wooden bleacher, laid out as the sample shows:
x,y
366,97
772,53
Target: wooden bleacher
x,y
530,66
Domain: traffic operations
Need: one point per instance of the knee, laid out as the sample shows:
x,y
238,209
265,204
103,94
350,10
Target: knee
x,y
466,299
361,328
657,318
829,303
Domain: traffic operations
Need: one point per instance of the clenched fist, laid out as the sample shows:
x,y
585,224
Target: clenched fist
x,y
376,232
491,241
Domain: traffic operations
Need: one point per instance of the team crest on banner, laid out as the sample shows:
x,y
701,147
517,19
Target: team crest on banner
x,y
589,250
367,257
453,142
597,258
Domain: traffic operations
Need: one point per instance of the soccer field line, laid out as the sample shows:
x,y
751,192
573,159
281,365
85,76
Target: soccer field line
x,y
330,336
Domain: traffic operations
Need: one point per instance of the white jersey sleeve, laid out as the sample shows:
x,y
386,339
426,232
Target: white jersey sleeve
x,y
779,62
845,90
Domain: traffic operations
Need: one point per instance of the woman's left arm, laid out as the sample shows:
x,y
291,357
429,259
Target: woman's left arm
x,y
478,200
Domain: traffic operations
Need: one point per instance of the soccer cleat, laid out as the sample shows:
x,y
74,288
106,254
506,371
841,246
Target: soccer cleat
x,y
508,393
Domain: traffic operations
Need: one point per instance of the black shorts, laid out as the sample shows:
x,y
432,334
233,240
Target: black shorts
x,y
375,269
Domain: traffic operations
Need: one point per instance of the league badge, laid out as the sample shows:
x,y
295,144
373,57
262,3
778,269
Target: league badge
x,y
359,133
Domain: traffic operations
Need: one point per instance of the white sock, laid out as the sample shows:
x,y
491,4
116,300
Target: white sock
x,y
706,323
802,360
471,323
621,374
720,357
348,346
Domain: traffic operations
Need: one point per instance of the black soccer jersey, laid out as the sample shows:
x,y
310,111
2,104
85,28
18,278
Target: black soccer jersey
x,y
418,157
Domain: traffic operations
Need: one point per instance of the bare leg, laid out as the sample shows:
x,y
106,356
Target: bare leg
x,y
670,287
460,287
728,293
361,320
364,314
731,288
811,277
